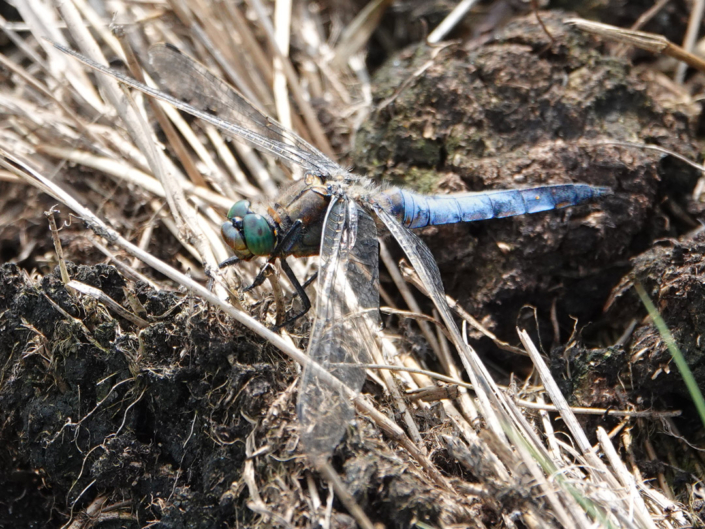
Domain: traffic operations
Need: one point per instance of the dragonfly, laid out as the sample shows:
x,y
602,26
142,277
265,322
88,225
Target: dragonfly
x,y
335,214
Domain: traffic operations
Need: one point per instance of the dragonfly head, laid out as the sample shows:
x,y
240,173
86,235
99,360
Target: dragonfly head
x,y
246,232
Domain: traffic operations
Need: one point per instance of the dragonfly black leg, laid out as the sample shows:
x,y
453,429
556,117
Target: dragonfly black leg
x,y
260,277
305,300
229,261
280,251
290,237
310,280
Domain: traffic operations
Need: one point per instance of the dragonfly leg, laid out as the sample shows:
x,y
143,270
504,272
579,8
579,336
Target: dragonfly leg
x,y
310,280
229,261
305,300
290,237
280,251
260,277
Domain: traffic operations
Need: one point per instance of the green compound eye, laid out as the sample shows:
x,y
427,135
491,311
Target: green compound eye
x,y
233,238
258,234
239,209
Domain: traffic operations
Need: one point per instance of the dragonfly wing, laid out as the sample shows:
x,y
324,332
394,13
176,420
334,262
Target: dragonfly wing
x,y
421,258
192,83
343,335
236,115
425,266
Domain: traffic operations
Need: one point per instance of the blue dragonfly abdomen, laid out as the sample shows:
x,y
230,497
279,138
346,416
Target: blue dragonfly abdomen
x,y
415,210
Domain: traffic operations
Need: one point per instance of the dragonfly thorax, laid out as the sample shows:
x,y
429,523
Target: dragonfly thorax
x,y
305,201
246,232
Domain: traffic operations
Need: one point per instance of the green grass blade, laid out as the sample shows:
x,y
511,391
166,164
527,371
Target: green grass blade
x,y
676,353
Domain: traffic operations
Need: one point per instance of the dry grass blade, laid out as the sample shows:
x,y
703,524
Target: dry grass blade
x,y
57,245
99,295
641,39
448,23
183,213
357,33
412,277
616,503
408,297
691,36
353,508
164,123
306,110
649,14
282,26
130,175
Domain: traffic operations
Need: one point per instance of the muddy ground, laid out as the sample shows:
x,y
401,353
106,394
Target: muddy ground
x,y
96,411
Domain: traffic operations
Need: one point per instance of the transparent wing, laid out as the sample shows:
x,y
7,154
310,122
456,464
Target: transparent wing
x,y
192,83
425,266
234,114
421,259
343,335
